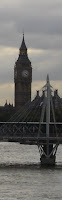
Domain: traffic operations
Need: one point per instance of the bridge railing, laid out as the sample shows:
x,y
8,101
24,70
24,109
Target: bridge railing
x,y
28,129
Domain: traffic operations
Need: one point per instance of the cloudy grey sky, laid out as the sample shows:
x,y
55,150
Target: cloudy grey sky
x,y
41,21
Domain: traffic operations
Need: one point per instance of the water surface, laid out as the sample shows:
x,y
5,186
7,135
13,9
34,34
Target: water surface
x,y
21,176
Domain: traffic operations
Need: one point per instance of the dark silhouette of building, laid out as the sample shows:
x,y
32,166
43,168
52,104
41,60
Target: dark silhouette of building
x,y
22,77
22,80
57,100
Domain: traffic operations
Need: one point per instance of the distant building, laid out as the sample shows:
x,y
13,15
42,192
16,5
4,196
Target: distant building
x,y
22,77
57,100
8,106
38,100
6,112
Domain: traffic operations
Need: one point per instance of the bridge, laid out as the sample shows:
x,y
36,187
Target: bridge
x,y
24,128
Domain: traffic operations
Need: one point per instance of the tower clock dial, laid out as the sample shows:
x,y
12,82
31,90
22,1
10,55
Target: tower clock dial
x,y
25,73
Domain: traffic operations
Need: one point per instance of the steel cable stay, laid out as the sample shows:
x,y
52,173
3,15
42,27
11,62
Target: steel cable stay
x,y
21,111
15,115
25,111
39,105
53,115
34,111
35,114
42,116
32,106
22,114
7,125
31,117
28,112
37,111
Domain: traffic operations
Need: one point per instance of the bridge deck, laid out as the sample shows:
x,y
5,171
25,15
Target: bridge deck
x,y
29,133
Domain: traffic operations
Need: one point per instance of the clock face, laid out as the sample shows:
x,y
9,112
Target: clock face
x,y
25,73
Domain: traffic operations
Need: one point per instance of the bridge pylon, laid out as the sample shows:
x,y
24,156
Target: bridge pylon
x,y
48,149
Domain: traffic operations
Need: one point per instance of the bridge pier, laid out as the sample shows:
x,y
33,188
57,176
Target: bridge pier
x,y
45,158
47,161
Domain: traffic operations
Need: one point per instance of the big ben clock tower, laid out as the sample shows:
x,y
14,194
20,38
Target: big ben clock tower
x,y
22,77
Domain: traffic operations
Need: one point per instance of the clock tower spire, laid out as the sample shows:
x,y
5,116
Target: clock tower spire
x,y
22,77
23,48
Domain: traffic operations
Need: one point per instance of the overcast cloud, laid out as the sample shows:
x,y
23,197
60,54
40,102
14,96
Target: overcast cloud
x,y
41,21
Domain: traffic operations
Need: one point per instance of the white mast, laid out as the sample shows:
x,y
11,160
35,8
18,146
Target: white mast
x,y
48,150
48,107
48,113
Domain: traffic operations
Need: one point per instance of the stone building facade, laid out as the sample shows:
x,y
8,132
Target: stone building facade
x,y
22,77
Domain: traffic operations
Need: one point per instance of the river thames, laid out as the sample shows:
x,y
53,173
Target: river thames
x,y
21,176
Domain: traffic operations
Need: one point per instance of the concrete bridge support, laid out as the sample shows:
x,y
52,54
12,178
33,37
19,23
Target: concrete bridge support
x,y
48,150
48,159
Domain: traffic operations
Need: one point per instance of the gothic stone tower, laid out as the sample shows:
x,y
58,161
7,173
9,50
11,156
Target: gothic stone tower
x,y
22,77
